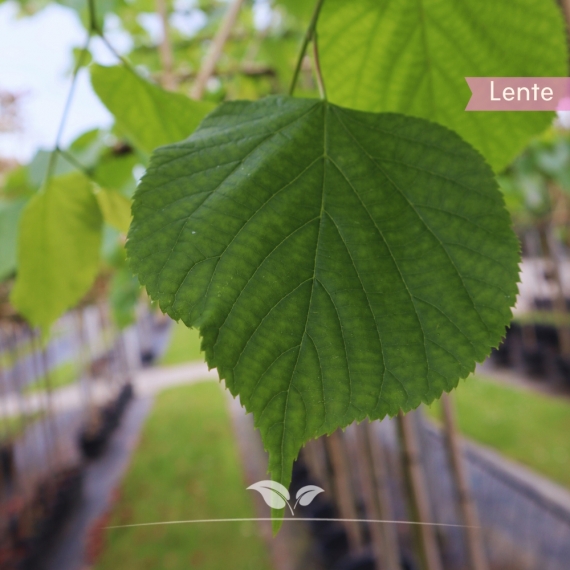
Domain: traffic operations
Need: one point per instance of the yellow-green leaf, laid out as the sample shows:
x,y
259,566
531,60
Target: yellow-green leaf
x,y
147,114
115,207
58,249
412,57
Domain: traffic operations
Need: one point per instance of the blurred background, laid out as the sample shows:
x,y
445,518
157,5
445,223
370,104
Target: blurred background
x,y
114,420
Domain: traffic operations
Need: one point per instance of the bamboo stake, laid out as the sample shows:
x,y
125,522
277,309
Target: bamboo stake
x,y
42,374
215,50
44,440
168,79
379,468
110,378
474,538
125,367
311,461
366,486
343,489
316,456
417,494
385,553
50,406
84,352
559,298
24,478
4,392
7,438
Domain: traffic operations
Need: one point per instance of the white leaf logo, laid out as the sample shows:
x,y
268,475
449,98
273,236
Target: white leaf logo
x,y
277,496
273,493
305,495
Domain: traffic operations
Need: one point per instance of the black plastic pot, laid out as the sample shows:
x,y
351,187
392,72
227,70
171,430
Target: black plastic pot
x,y
563,369
148,357
7,462
333,545
320,509
93,443
534,362
516,347
501,356
363,561
52,503
547,336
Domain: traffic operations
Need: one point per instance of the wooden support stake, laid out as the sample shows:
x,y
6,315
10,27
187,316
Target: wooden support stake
x,y
380,470
417,494
344,494
384,545
168,79
216,48
368,495
5,392
84,359
316,458
37,376
559,303
477,559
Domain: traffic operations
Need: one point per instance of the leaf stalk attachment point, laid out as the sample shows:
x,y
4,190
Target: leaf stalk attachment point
x,y
310,34
317,64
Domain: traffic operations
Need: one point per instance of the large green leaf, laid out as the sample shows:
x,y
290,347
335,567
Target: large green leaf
x,y
58,249
339,264
148,115
412,57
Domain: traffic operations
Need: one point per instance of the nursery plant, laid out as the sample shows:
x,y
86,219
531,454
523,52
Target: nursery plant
x,y
342,245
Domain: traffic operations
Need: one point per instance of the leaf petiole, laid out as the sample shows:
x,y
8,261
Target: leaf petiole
x,y
317,64
308,37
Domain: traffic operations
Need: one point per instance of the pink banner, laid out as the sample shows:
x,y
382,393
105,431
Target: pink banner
x,y
519,94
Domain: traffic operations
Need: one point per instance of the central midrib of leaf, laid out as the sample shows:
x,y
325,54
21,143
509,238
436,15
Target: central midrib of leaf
x,y
314,280
325,159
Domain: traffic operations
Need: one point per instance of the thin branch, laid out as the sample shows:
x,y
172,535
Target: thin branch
x,y
122,59
183,44
75,163
168,79
63,120
253,70
215,50
95,29
255,45
308,37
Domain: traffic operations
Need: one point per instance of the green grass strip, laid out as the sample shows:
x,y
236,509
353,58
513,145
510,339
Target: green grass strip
x,y
184,346
529,427
13,427
60,376
186,467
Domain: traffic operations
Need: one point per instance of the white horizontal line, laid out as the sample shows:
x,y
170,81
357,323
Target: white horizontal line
x,y
286,519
